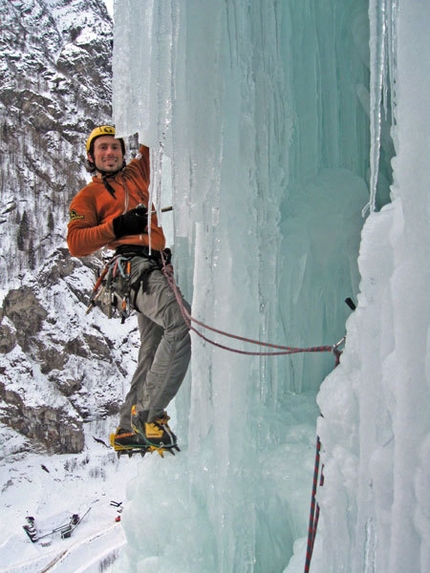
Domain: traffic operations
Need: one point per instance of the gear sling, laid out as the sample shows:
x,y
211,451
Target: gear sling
x,y
114,292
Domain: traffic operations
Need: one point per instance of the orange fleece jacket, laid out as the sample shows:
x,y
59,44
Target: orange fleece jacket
x,y
93,209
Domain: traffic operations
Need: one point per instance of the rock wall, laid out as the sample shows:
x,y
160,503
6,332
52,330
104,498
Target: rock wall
x,y
58,367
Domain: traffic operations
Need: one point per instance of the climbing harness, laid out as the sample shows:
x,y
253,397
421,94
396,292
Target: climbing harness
x,y
114,292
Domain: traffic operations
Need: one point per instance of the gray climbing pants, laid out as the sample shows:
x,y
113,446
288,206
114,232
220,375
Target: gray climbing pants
x,y
165,348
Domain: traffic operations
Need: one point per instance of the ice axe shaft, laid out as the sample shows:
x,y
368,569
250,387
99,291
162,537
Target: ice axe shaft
x,y
96,288
164,209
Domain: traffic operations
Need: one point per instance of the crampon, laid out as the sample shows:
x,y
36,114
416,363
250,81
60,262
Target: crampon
x,y
131,450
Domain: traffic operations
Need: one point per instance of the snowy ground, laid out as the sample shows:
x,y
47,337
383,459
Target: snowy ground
x,y
53,488
65,485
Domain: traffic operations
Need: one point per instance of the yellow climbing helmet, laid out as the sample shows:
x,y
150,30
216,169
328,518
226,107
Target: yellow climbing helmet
x,y
97,132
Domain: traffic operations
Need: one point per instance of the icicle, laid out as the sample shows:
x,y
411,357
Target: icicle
x,y
377,66
156,158
392,51
382,82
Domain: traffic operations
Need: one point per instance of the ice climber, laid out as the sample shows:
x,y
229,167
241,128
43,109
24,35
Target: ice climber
x,y
111,211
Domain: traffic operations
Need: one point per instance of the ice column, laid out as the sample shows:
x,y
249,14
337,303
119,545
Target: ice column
x,y
254,109
376,429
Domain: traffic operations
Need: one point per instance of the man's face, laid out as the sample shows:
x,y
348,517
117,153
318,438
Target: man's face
x,y
107,154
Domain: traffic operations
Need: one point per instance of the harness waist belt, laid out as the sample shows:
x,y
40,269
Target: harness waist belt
x,y
138,251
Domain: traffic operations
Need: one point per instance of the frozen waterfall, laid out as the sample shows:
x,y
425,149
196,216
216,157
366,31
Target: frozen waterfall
x,y
271,126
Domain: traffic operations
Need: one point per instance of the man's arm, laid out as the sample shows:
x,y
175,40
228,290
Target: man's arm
x,y
85,235
84,240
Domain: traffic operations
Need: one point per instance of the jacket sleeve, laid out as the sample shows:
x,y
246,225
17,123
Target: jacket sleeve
x,y
85,234
139,167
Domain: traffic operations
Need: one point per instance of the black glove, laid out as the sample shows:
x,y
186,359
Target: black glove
x,y
133,222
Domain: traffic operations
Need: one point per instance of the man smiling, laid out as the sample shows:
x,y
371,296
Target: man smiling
x,y
112,211
108,154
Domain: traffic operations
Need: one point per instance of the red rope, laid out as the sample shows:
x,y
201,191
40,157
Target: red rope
x,y
280,350
315,508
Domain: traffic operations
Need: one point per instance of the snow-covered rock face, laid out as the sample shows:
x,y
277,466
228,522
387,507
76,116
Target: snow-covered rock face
x,y
56,83
55,62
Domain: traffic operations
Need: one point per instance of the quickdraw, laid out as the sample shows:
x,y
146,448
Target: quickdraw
x,y
111,291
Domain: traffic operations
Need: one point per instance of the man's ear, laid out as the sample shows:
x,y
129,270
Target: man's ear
x,y
90,157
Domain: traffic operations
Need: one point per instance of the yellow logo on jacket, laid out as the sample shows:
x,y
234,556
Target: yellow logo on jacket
x,y
74,215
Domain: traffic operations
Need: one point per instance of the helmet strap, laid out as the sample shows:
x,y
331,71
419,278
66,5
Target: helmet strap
x,y
107,185
106,175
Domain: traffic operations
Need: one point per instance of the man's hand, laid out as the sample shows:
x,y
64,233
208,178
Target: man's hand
x,y
133,222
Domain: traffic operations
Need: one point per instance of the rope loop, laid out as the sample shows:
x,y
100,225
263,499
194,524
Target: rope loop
x,y
318,477
278,350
